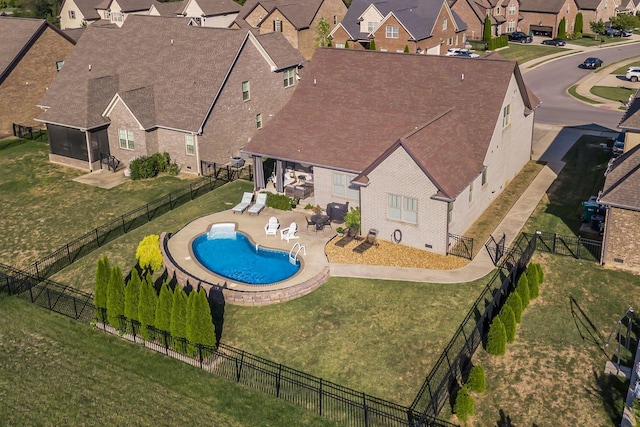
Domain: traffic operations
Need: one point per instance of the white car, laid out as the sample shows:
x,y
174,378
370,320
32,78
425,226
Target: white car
x,y
633,74
457,51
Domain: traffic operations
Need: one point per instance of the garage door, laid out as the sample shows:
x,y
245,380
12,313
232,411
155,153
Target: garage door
x,y
541,30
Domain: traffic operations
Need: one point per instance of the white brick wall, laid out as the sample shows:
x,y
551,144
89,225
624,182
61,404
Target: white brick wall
x,y
323,188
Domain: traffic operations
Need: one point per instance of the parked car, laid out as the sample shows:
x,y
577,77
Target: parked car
x,y
554,42
520,37
618,144
466,54
633,74
591,63
612,32
627,33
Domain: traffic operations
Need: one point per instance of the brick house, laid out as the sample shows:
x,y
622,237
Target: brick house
x,y
421,26
297,20
425,156
595,10
197,93
542,17
31,53
504,15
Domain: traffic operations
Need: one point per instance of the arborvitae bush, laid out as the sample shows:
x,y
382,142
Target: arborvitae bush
x,y
179,314
148,253
191,324
406,48
205,330
532,280
147,306
579,26
476,380
515,303
132,296
509,320
464,406
540,274
346,44
522,288
163,312
115,297
562,28
497,338
486,33
103,274
372,45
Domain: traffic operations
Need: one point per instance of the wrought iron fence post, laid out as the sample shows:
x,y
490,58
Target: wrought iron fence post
x,y
124,229
278,376
200,354
579,246
97,240
320,399
553,247
365,409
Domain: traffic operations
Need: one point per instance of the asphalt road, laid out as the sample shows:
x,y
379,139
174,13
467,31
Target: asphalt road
x,y
551,80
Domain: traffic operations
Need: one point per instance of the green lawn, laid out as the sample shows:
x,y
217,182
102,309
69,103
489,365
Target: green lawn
x,y
583,176
589,40
43,208
527,52
623,70
55,371
573,92
620,94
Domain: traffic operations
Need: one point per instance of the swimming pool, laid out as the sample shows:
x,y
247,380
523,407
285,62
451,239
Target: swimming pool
x,y
235,257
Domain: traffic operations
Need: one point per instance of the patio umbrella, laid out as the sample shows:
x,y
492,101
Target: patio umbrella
x,y
258,173
279,177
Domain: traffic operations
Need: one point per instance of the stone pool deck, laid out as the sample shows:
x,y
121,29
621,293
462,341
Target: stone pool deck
x,y
314,271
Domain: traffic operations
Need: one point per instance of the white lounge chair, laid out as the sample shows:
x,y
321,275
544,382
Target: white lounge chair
x,y
261,202
289,232
244,204
271,228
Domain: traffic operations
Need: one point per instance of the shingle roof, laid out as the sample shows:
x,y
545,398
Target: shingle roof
x,y
135,5
418,16
588,4
299,12
542,6
623,181
631,117
162,55
282,54
74,33
218,7
17,35
360,118
88,8
169,9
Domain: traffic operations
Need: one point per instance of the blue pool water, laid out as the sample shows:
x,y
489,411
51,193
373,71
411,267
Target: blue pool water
x,y
236,259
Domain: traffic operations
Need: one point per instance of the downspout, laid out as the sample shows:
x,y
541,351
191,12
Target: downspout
x,y
87,138
605,238
197,147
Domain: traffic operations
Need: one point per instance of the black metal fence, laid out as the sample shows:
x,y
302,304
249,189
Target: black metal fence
x,y
110,231
576,247
461,246
496,248
27,132
455,360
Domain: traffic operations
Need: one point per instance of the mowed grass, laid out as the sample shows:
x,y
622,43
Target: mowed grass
x,y
620,94
43,208
553,374
621,71
526,52
560,209
55,371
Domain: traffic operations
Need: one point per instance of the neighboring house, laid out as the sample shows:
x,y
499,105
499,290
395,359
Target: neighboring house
x,y
170,9
629,6
420,26
31,53
423,144
117,11
211,13
542,17
504,15
297,20
78,13
115,98
596,10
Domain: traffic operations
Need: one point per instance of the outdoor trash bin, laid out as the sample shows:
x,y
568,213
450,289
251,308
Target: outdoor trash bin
x,y
588,209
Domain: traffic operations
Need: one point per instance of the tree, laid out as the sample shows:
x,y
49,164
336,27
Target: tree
x,y
322,33
486,34
148,253
191,326
372,44
464,406
562,28
147,305
578,27
497,338
509,320
132,296
597,27
540,273
206,334
163,312
346,44
515,303
115,297
624,21
406,48
522,288
103,274
179,314
476,380
532,280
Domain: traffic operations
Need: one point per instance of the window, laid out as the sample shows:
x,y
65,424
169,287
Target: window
x,y
506,116
402,208
259,121
245,91
511,26
340,45
116,17
190,144
277,26
107,14
126,139
444,24
568,8
471,192
59,65
72,14
512,10
371,26
289,78
335,19
450,41
392,32
342,186
484,176
498,10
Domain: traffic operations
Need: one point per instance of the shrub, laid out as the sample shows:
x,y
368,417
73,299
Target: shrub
x,y
279,201
115,297
147,305
163,311
372,45
540,273
578,27
562,28
406,48
532,280
497,338
515,303
148,253
486,33
149,166
476,380
173,169
103,274
509,320
179,314
523,290
132,296
346,44
464,406
353,218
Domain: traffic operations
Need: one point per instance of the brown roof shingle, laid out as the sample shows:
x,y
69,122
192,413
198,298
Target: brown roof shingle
x,y
631,117
621,187
299,12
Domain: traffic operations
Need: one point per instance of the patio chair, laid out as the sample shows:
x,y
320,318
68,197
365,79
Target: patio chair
x,y
271,228
289,232
351,234
309,223
244,203
369,242
261,202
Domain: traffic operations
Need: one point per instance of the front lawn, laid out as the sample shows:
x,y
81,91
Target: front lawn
x,y
527,52
620,94
623,70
